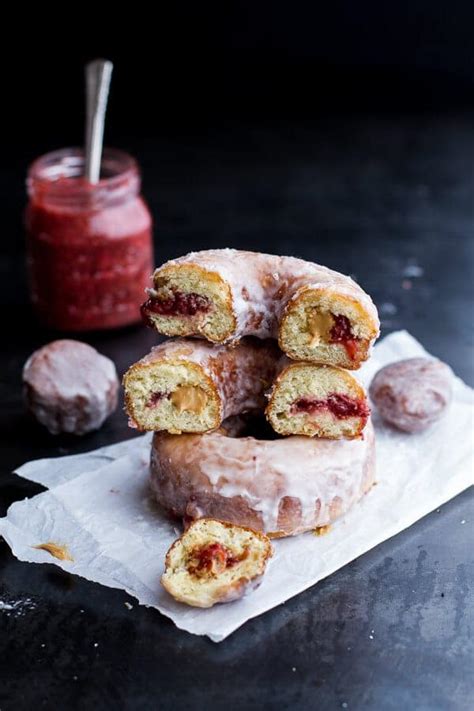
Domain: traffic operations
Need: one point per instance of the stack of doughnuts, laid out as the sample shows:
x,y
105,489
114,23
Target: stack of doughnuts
x,y
255,333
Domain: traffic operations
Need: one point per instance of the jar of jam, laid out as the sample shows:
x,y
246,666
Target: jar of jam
x,y
89,247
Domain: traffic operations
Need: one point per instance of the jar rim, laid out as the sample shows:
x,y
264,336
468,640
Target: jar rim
x,y
69,163
58,178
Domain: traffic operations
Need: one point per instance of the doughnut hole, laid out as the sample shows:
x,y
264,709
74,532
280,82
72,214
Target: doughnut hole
x,y
412,394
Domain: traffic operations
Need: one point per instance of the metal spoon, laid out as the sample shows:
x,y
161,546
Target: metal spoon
x,y
98,74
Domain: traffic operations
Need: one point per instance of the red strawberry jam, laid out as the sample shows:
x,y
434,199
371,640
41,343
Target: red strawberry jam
x,y
89,247
341,406
178,304
341,332
213,558
155,398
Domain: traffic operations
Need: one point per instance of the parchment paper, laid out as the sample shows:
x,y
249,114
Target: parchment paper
x,y
98,505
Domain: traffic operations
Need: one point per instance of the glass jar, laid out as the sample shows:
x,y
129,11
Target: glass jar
x,y
89,247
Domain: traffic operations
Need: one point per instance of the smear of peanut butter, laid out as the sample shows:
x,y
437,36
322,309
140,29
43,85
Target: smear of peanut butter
x,y
322,530
54,549
191,398
319,327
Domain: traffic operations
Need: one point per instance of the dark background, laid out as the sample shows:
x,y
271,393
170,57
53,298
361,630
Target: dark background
x,y
342,133
190,64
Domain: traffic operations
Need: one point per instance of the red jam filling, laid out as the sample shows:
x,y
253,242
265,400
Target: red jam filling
x,y
178,304
155,398
341,332
213,558
341,406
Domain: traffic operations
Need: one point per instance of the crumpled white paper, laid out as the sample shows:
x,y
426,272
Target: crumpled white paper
x,y
98,504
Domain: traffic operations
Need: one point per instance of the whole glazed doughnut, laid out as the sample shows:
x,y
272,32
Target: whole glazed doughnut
x,y
186,385
282,487
222,295
412,394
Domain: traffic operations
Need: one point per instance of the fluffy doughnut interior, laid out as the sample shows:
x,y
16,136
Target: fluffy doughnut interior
x,y
328,328
175,396
214,562
320,401
189,301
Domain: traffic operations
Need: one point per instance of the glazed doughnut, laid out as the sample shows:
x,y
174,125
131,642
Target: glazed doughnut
x,y
70,387
281,487
214,561
317,401
221,295
192,386
412,394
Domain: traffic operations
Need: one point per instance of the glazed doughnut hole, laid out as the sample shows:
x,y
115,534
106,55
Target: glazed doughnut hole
x,y
70,387
412,394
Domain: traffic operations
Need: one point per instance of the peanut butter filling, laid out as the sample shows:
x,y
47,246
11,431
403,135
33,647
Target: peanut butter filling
x,y
319,327
189,398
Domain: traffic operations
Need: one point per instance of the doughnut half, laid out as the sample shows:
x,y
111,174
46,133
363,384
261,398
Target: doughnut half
x,y
281,487
214,561
222,295
192,386
317,401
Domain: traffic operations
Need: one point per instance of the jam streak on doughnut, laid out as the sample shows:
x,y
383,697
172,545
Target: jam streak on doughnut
x,y
341,332
341,406
155,398
178,304
213,559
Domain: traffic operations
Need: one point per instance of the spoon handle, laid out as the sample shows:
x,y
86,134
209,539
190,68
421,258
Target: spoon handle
x,y
98,74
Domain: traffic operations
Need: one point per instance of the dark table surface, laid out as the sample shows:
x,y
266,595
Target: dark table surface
x,y
368,196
